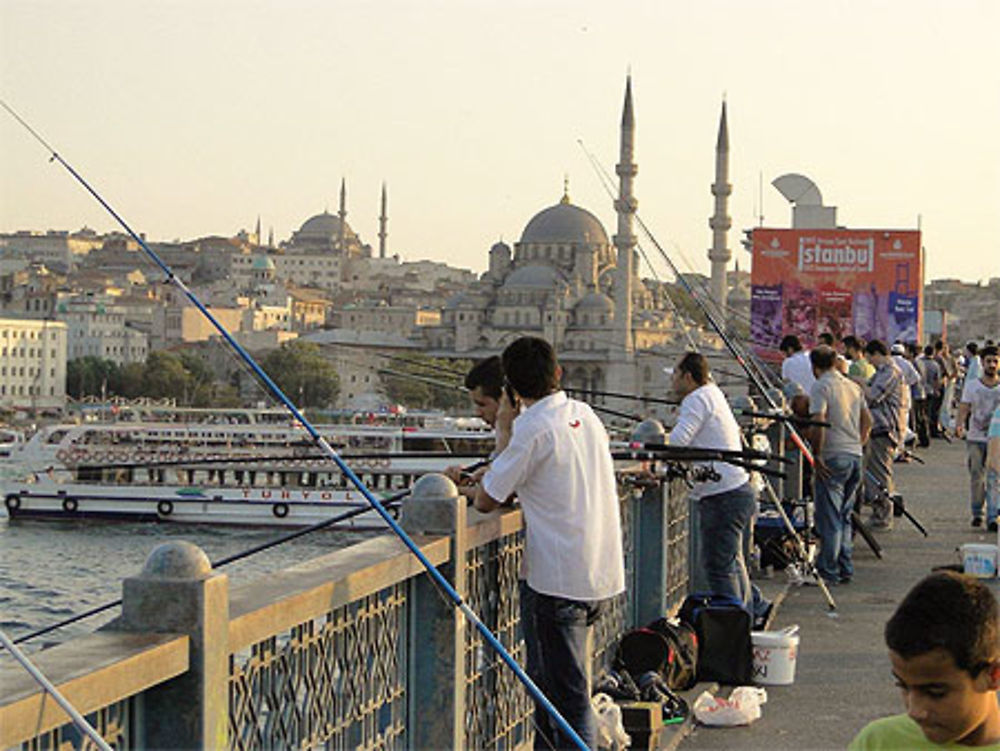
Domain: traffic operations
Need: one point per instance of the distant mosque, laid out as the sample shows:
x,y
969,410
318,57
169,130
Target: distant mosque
x,y
566,282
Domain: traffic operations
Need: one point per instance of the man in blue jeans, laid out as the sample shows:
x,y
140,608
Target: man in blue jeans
x,y
725,506
837,453
556,456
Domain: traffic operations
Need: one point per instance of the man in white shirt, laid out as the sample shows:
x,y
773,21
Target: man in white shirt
x,y
796,366
724,506
980,398
556,456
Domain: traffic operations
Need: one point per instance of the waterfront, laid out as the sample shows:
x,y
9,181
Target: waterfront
x,y
52,570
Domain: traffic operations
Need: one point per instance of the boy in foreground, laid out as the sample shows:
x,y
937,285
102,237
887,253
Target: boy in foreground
x,y
943,645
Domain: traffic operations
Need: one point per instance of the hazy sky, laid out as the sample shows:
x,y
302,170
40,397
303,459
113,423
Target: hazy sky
x,y
193,118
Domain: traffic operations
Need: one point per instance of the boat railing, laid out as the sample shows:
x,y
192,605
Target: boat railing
x,y
356,648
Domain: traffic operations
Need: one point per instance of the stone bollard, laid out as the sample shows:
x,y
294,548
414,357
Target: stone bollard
x,y
437,629
650,526
178,592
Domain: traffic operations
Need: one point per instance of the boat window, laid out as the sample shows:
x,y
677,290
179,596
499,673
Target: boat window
x,y
56,436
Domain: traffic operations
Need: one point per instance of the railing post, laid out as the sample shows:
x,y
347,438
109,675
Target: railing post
x,y
178,592
650,526
436,673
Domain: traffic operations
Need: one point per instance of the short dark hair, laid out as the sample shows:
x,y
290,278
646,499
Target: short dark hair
x,y
790,342
826,338
823,357
949,611
939,346
988,351
529,365
972,347
487,375
851,342
876,347
695,365
928,351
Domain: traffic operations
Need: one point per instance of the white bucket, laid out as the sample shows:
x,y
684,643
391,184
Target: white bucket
x,y
774,654
979,560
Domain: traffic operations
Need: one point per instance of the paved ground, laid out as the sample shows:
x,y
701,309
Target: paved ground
x,y
842,677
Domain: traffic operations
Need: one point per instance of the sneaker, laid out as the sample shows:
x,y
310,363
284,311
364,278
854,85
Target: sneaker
x,y
992,526
977,521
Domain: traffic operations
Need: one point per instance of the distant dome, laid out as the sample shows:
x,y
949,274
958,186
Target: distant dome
x,y
534,275
500,247
263,263
322,227
595,301
562,224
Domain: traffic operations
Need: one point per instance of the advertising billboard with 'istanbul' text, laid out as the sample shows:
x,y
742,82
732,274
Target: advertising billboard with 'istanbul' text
x,y
863,282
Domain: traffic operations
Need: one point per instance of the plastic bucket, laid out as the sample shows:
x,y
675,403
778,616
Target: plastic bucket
x,y
774,654
979,560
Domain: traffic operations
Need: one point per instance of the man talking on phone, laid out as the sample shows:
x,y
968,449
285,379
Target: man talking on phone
x,y
554,453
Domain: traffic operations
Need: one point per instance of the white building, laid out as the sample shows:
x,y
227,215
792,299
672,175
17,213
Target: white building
x,y
32,364
97,327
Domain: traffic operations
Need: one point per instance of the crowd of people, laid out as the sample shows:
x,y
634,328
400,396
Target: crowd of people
x,y
870,402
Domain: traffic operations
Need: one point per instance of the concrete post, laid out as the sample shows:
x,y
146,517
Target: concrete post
x,y
437,630
178,592
649,529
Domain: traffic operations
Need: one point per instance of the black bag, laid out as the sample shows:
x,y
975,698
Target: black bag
x,y
682,669
722,625
667,648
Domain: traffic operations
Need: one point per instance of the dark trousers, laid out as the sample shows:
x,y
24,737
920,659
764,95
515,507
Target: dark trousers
x,y
555,635
921,426
934,414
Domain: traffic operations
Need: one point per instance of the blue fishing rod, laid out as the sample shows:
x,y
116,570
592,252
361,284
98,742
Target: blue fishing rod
x,y
442,583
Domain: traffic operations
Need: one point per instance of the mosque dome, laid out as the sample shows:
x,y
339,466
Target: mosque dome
x,y
533,275
500,247
322,227
595,301
262,263
564,223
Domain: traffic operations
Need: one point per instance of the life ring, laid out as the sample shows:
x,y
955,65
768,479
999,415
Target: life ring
x,y
280,510
12,502
69,505
62,455
165,508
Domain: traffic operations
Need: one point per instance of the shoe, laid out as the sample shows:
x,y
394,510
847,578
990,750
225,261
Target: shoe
x,y
844,580
977,521
992,526
881,526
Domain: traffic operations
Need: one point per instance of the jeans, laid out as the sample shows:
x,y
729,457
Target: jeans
x,y
975,453
723,521
555,635
834,497
992,492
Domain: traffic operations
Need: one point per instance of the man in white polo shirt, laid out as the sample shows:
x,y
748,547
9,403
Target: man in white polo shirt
x,y
556,456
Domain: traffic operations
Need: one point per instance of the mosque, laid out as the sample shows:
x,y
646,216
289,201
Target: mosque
x,y
567,282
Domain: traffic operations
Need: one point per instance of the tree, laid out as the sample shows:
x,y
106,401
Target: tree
x,y
91,376
306,377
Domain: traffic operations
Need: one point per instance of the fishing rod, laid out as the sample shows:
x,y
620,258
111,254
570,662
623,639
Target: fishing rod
x,y
390,503
435,575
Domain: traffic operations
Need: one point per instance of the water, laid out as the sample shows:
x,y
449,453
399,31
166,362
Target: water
x,y
53,569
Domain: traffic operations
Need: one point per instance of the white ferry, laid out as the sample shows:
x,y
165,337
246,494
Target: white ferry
x,y
224,473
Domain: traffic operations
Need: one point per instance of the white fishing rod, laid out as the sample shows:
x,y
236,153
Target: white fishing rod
x,y
77,719
436,576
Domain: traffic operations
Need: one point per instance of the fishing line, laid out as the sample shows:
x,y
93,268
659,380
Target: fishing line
x,y
321,442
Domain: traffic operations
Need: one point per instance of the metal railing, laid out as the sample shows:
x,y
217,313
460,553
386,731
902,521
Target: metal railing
x,y
355,649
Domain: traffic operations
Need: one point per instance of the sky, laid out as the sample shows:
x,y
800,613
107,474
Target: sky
x,y
193,118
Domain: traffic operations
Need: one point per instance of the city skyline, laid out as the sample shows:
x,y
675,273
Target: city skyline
x,y
193,119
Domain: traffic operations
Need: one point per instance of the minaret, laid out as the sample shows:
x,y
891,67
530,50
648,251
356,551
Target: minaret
x,y
720,222
256,239
624,238
382,221
270,237
342,233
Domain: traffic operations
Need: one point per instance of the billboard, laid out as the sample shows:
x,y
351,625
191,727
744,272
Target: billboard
x,y
807,281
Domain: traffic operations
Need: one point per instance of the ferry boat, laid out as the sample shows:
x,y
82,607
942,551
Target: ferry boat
x,y
224,473
9,440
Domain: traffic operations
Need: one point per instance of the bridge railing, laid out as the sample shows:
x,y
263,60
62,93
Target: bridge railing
x,y
354,649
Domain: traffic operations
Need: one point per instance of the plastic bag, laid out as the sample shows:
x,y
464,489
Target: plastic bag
x,y
610,730
741,708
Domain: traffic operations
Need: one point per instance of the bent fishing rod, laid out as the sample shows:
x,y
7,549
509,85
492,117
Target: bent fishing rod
x,y
436,576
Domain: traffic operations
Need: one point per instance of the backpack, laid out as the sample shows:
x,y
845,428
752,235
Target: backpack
x,y
722,626
668,648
